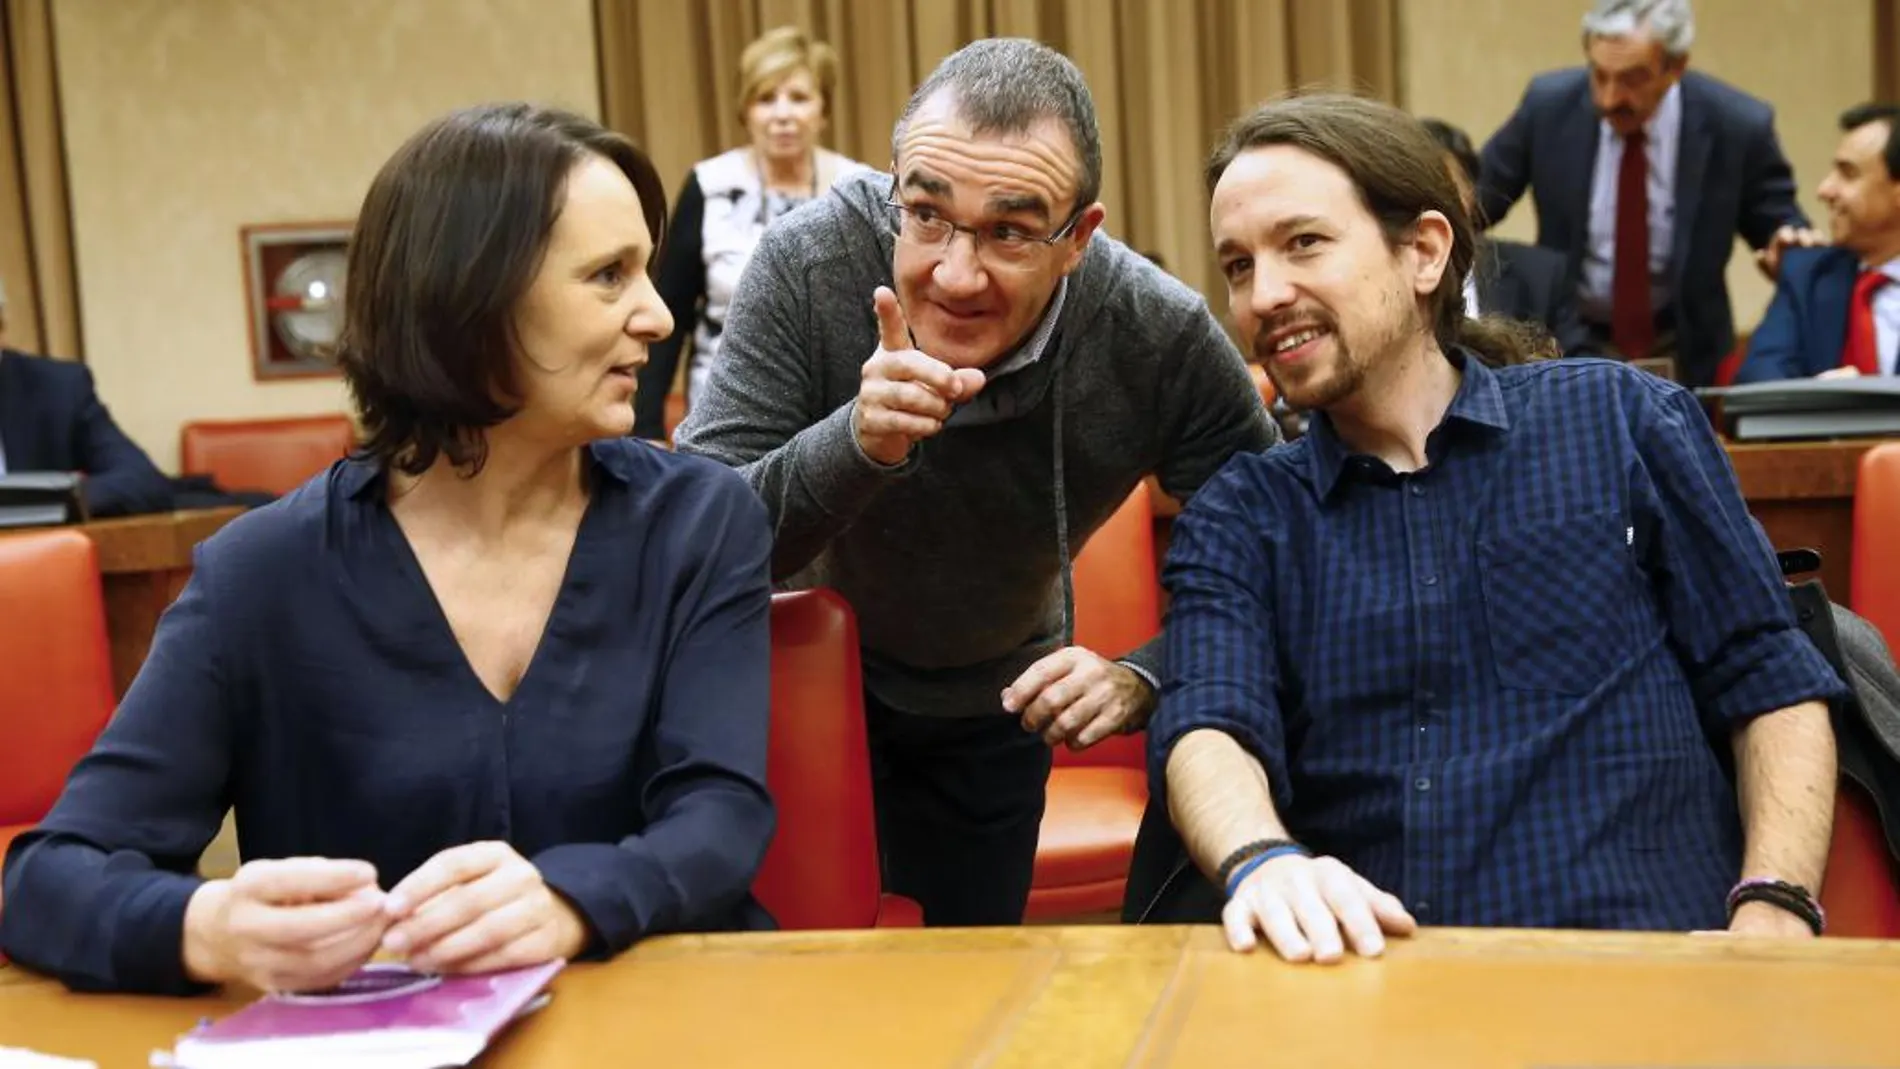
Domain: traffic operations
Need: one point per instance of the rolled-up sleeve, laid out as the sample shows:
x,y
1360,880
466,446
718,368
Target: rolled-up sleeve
x,y
1220,671
1721,590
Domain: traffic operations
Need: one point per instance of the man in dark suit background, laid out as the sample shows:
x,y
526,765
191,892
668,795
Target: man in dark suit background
x,y
1837,310
1510,278
51,420
1648,230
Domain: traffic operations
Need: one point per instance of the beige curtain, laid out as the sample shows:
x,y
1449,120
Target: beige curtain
x,y
1166,76
36,249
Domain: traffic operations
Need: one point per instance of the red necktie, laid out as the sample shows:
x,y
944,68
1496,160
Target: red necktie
x,y
1859,352
1632,322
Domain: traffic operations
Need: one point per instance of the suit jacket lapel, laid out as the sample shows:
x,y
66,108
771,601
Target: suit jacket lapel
x,y
1579,129
1833,295
1692,165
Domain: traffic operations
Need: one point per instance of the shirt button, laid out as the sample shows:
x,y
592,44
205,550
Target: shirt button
x,y
1420,908
1417,490
1430,580
1423,783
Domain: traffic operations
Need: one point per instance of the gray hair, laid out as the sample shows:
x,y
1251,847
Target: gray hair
x,y
1004,85
1670,22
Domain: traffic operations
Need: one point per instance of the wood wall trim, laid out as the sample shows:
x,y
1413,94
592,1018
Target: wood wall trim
x,y
1887,50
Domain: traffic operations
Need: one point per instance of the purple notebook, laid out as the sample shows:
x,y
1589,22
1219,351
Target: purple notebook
x,y
383,1017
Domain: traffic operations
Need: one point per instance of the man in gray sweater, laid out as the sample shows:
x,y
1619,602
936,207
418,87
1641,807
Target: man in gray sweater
x,y
938,454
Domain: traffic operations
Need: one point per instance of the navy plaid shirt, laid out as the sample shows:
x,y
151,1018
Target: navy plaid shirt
x,y
1501,687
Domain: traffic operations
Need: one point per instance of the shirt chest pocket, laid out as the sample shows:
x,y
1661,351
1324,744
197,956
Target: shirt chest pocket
x,y
1560,602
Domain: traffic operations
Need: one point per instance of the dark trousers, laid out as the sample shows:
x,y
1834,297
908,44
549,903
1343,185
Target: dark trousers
x,y
959,805
1164,886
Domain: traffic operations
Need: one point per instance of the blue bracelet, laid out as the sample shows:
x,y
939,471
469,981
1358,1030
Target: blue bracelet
x,y
1254,862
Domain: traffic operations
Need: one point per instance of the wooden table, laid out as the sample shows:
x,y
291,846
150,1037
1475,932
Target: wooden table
x,y
144,562
1803,495
1144,997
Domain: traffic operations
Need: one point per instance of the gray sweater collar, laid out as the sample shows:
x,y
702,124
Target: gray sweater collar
x,y
1002,400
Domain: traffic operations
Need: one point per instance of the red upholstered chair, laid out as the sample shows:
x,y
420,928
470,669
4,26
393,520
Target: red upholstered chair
x,y
1263,384
1732,363
1096,797
55,669
272,455
1875,587
822,868
675,413
1861,891
1862,888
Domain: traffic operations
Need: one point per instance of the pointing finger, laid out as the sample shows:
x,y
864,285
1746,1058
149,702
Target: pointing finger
x,y
893,331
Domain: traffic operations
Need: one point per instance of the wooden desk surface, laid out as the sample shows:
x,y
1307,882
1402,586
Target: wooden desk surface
x,y
144,562
1798,470
1143,997
158,542
1802,494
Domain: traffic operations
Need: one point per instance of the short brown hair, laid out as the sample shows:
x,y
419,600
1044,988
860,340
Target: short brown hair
x,y
1861,114
1399,171
1005,85
777,55
449,238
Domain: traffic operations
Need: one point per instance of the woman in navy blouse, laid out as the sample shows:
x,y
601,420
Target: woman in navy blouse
x,y
492,692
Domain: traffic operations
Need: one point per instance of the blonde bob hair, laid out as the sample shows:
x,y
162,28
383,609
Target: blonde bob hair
x,y
777,55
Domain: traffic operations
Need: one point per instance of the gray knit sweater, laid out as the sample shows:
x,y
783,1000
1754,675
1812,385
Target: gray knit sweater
x,y
956,562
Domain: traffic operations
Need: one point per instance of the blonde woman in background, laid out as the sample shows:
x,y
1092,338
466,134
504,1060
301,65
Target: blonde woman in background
x,y
786,86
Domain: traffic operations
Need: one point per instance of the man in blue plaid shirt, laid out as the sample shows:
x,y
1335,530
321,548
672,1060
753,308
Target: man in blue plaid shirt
x,y
1497,642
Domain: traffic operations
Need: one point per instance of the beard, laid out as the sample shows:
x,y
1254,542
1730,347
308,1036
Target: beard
x,y
1321,379
1329,378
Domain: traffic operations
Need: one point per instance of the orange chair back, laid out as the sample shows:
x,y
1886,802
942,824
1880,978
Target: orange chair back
x,y
1264,384
1861,891
1731,364
1875,586
55,666
272,455
822,868
1117,608
675,413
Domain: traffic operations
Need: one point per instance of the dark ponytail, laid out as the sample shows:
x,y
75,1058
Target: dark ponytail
x,y
1502,342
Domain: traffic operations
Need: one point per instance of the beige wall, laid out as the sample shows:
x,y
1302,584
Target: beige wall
x,y
1467,61
187,119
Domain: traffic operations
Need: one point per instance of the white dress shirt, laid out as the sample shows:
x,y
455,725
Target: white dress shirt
x,y
1664,133
1886,318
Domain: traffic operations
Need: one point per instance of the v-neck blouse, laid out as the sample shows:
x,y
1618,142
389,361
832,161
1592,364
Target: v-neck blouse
x,y
308,677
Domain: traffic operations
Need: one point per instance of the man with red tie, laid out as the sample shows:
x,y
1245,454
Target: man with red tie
x,y
1643,173
1837,310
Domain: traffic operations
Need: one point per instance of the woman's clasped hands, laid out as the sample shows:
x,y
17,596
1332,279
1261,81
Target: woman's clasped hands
x,y
307,923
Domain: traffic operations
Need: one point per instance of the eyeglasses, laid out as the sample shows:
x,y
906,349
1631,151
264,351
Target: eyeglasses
x,y
1001,243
